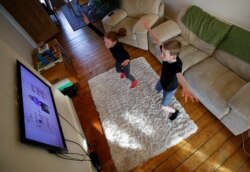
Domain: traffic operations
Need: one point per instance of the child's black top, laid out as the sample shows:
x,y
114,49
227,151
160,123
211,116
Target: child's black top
x,y
168,79
118,52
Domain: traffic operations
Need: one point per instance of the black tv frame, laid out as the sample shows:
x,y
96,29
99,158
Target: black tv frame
x,y
51,148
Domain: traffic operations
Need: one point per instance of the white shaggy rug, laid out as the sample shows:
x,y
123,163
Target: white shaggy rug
x,y
135,126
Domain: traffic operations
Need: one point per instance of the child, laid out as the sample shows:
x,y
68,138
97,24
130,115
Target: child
x,y
121,56
171,75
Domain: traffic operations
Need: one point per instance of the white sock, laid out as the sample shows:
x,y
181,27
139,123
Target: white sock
x,y
168,109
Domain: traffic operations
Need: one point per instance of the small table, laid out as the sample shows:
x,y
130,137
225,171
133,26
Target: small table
x,y
59,69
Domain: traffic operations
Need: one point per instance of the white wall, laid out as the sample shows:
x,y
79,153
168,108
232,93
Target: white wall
x,y
15,36
236,12
16,156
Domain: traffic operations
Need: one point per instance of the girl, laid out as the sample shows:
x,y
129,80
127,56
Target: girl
x,y
122,62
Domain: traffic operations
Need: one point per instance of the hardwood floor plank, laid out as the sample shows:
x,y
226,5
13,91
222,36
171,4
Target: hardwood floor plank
x,y
190,147
245,167
234,162
221,155
204,151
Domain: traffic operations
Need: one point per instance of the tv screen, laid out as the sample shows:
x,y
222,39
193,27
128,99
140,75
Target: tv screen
x,y
39,122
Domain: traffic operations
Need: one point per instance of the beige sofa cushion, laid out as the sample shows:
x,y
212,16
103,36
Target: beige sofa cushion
x,y
238,119
235,123
138,8
167,30
191,56
234,51
139,27
112,20
183,42
214,85
237,65
237,43
192,38
240,102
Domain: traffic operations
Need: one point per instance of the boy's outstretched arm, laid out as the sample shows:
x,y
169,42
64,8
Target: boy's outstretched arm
x,y
155,37
186,93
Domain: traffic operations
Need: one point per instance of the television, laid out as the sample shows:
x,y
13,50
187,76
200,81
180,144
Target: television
x,y
39,122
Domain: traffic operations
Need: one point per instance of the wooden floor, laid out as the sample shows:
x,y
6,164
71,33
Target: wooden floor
x,y
212,148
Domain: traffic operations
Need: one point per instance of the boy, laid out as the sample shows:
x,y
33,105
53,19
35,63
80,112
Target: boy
x,y
171,75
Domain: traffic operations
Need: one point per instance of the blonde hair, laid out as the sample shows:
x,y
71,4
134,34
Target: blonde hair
x,y
173,46
113,36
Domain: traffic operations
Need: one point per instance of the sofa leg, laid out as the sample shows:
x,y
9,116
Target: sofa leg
x,y
244,140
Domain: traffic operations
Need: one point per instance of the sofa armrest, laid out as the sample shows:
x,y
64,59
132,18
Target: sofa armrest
x,y
167,30
117,16
161,10
139,26
240,102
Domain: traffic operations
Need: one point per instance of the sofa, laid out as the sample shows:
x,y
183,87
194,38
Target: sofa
x,y
130,16
216,63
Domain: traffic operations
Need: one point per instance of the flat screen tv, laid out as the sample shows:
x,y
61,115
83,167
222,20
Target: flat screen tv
x,y
39,122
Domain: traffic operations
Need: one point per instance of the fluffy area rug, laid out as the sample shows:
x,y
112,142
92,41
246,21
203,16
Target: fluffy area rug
x,y
135,126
